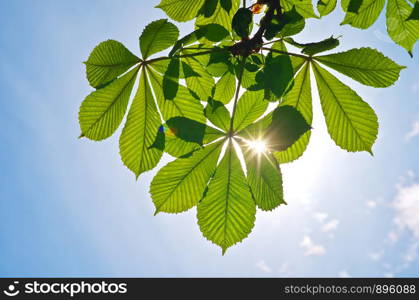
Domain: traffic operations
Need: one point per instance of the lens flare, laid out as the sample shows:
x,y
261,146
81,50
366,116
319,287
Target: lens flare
x,y
257,146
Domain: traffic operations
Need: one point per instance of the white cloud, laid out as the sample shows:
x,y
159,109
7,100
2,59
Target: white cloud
x,y
406,205
320,216
344,274
406,210
371,204
415,88
261,265
311,248
411,253
376,256
413,132
284,268
410,174
392,236
331,225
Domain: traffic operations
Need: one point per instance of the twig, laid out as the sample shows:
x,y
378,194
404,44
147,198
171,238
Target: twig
x,y
236,97
272,42
288,53
184,55
252,45
199,48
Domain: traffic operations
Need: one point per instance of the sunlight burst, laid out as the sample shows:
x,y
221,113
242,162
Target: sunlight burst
x,y
258,146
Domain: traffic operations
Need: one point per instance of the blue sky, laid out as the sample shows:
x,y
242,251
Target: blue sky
x,y
69,207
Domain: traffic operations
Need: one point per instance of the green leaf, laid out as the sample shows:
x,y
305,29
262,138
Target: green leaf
x,y
180,184
295,151
287,126
249,73
276,76
325,45
171,79
103,110
264,178
275,25
212,134
365,65
225,88
415,12
250,107
354,6
197,78
243,22
314,48
158,36
181,10
366,15
218,114
192,38
161,66
182,136
187,129
168,141
107,61
257,58
296,62
142,124
351,122
182,105
303,7
300,98
295,23
174,146
402,32
226,215
226,4
221,16
209,8
256,130
203,59
213,33
294,43
325,7
219,63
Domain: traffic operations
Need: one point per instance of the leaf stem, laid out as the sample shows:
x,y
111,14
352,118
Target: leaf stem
x,y
288,53
272,42
236,97
184,55
199,48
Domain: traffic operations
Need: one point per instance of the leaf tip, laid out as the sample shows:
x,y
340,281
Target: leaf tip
x,y
81,135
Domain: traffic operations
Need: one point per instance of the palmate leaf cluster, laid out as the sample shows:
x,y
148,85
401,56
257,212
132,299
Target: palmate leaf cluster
x,y
206,103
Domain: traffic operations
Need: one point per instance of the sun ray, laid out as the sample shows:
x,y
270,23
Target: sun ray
x,y
258,146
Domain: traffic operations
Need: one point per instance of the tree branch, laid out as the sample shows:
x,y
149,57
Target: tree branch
x,y
246,47
184,55
236,97
273,42
288,53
